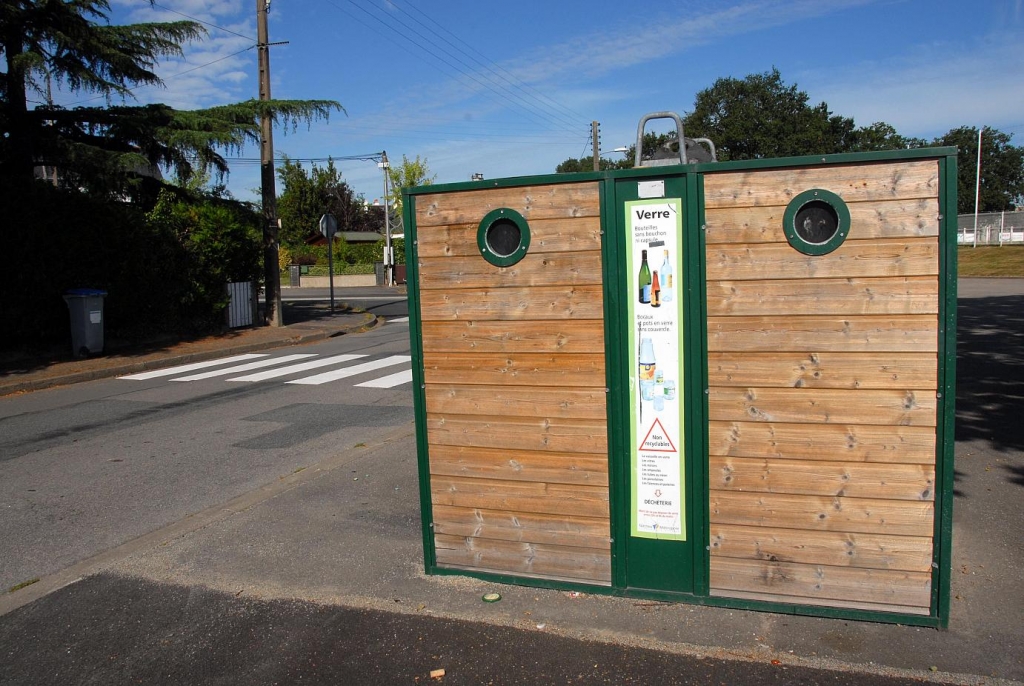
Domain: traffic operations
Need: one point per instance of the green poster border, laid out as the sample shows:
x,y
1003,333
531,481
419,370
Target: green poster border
x,y
679,299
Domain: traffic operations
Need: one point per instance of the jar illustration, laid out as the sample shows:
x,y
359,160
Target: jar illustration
x,y
647,361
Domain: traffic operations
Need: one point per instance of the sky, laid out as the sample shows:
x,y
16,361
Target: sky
x,y
510,88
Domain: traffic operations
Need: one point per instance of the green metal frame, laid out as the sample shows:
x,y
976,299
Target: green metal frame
x,y
616,358
798,203
942,555
419,401
644,549
485,247
697,384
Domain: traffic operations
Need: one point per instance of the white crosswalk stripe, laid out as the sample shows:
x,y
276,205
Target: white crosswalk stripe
x,y
295,368
389,381
317,379
277,367
244,367
181,369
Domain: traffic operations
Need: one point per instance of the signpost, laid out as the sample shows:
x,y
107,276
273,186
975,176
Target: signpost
x,y
329,227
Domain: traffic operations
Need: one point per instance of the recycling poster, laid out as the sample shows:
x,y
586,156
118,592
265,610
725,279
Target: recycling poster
x,y
654,264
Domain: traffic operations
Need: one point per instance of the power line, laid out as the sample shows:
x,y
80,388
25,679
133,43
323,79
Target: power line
x,y
205,23
532,112
435,55
554,117
384,127
518,82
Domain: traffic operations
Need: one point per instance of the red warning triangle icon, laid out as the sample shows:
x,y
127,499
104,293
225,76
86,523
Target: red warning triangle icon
x,y
657,440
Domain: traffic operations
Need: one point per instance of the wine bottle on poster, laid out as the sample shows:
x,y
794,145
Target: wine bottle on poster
x,y
644,279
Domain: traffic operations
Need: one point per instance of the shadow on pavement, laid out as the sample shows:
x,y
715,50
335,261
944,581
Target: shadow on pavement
x,y
24,361
124,630
990,372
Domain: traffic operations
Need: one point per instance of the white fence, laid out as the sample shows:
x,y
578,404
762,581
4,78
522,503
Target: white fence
x,y
994,228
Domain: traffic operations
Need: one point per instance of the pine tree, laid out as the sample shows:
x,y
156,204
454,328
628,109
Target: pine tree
x,y
101,149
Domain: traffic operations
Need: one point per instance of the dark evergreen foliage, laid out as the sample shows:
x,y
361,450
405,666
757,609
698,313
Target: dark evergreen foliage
x,y
109,149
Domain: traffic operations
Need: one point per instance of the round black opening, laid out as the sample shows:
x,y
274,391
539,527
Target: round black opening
x,y
816,222
503,237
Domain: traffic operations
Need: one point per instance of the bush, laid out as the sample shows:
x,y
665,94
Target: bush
x,y
341,269
163,274
284,257
308,254
87,244
222,243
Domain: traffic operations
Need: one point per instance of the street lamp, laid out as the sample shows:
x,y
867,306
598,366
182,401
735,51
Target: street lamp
x,y
388,260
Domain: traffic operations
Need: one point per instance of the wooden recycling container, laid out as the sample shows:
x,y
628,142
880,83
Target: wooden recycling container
x,y
725,383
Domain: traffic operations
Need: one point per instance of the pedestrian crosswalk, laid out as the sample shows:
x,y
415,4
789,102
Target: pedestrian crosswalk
x,y
254,367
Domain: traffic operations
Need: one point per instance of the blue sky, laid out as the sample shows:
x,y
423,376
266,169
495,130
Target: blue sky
x,y
510,88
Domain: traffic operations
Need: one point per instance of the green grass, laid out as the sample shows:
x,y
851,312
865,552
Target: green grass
x,y
991,260
23,584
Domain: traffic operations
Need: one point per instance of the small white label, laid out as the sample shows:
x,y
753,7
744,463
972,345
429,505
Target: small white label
x,y
651,189
95,316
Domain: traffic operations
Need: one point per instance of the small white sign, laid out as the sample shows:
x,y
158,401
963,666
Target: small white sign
x,y
651,189
95,316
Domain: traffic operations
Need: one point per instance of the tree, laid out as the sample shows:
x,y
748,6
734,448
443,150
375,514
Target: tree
x,y
881,136
103,149
306,196
408,174
220,241
1002,169
586,164
760,117
652,143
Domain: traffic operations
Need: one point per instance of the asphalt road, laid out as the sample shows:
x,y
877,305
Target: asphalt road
x,y
348,540
86,467
114,630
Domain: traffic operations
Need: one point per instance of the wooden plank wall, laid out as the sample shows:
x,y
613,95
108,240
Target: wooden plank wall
x,y
823,380
514,369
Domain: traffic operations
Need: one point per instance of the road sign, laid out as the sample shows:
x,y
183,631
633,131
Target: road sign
x,y
328,226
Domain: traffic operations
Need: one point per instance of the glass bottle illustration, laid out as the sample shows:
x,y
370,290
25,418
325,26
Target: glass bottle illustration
x,y
647,369
645,279
655,291
667,286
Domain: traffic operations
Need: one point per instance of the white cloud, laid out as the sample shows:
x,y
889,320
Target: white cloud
x,y
931,89
212,70
653,38
571,72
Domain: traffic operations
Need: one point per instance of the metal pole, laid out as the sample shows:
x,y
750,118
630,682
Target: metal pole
x,y
387,222
594,126
977,189
271,270
330,265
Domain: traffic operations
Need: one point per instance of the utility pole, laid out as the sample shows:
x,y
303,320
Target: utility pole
x,y
594,128
272,274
